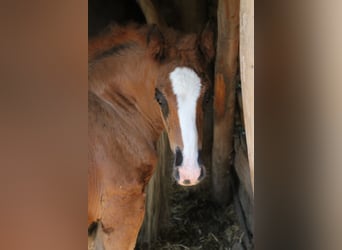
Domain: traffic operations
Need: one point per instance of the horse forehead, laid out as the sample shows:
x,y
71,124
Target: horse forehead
x,y
185,81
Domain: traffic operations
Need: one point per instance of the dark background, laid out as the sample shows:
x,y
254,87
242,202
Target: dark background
x,y
103,12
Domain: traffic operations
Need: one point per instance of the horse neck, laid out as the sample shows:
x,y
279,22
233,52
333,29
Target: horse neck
x,y
127,85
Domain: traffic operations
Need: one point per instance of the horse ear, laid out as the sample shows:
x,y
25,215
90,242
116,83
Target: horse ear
x,y
155,42
206,41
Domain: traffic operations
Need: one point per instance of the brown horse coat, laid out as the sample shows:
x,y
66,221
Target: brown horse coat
x,y
125,121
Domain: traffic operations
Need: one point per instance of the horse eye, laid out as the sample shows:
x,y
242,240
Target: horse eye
x,y
159,97
162,102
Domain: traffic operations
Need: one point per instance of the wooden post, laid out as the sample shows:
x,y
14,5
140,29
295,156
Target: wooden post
x,y
157,190
151,13
224,100
247,76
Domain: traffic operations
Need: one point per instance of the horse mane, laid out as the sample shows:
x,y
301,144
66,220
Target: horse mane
x,y
117,36
178,48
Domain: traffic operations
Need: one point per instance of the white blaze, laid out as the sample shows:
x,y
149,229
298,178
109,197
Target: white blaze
x,y
186,86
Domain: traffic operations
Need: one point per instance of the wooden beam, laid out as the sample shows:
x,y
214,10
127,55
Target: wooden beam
x,y
157,198
224,100
151,14
247,76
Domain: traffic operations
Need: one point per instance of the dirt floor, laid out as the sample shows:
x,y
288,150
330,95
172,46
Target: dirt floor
x,y
197,223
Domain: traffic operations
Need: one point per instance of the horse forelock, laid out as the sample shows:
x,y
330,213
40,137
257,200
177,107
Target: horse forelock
x,y
183,50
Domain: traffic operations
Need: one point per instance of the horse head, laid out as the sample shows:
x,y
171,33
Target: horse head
x,y
183,91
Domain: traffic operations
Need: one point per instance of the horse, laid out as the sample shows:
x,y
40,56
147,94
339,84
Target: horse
x,y
141,81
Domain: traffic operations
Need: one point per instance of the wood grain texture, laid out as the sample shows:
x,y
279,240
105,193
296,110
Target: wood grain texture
x,y
247,76
225,75
151,14
158,189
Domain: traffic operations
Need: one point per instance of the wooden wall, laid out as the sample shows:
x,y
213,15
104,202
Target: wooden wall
x,y
247,75
158,190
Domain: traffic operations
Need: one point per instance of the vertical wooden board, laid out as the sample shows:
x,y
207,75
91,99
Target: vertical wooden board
x,y
247,76
243,200
157,198
151,14
224,100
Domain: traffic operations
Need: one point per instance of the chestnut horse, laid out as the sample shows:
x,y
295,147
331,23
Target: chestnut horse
x,y
141,83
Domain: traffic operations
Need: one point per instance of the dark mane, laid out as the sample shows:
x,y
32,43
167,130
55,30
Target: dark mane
x,y
115,50
116,38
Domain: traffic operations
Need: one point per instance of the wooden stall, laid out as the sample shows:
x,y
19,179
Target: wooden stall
x,y
229,124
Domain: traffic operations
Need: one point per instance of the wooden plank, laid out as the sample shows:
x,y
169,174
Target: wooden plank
x,y
224,100
151,14
243,201
157,199
247,76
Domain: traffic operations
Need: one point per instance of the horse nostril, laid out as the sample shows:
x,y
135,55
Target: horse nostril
x,y
199,158
186,182
202,174
179,157
176,174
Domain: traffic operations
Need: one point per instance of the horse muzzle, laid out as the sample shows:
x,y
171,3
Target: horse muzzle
x,y
188,172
